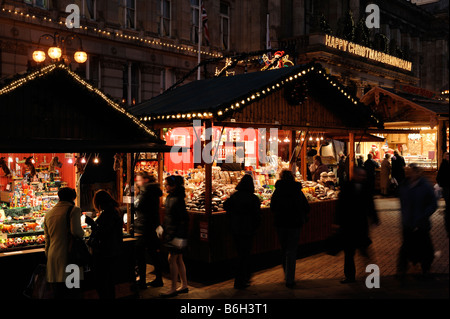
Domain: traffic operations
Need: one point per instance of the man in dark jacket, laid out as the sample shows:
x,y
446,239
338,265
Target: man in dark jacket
x,y
355,207
290,208
418,203
442,180
145,224
398,167
370,165
243,209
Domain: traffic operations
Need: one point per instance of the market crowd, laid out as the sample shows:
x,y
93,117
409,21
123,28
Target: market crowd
x,y
354,214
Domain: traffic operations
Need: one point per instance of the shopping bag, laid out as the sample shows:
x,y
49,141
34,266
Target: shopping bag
x,y
39,287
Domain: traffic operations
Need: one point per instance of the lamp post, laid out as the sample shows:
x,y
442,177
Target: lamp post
x,y
55,52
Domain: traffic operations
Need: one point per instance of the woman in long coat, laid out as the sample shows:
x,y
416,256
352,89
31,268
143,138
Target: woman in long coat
x,y
175,232
244,211
56,238
385,174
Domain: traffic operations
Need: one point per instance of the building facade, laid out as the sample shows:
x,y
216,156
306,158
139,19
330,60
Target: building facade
x,y
138,49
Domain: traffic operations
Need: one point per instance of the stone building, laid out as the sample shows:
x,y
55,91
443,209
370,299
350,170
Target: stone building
x,y
137,49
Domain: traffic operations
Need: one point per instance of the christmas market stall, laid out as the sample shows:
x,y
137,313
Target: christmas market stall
x,y
256,123
55,128
416,125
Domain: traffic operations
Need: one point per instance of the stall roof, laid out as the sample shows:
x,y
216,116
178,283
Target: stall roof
x,y
216,98
54,110
429,105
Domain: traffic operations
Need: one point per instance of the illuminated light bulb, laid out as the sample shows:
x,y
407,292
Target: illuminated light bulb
x,y
80,56
54,53
39,56
33,161
70,161
310,138
83,161
96,160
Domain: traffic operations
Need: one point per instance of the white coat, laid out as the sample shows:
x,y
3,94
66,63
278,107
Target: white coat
x,y
56,238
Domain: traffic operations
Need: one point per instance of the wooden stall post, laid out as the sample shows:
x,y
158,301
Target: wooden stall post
x,y
441,143
304,160
160,167
130,182
292,143
351,154
208,171
78,175
119,180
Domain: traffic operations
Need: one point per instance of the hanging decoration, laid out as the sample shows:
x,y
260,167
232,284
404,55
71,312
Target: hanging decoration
x,y
296,93
279,60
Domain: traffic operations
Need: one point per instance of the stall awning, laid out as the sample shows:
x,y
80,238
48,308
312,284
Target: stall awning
x,y
54,110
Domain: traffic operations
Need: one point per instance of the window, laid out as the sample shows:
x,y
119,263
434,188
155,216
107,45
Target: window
x,y
225,25
88,8
165,12
37,3
131,84
94,71
194,21
130,14
167,79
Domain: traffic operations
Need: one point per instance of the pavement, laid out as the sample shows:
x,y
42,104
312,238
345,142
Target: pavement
x,y
318,274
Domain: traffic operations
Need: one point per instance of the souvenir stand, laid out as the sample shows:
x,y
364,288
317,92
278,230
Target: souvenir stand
x,y
53,125
301,102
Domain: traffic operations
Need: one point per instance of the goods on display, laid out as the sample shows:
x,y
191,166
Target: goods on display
x,y
32,191
224,184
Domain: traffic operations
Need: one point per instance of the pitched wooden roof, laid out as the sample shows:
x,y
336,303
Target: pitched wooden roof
x,y
221,98
54,109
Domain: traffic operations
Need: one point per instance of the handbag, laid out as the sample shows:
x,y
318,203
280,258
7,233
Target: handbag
x,y
78,252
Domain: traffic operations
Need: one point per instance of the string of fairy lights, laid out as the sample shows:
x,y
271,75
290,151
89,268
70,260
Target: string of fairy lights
x,y
47,69
112,35
252,97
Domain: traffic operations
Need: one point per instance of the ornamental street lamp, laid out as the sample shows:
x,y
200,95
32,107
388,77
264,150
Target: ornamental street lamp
x,y
55,52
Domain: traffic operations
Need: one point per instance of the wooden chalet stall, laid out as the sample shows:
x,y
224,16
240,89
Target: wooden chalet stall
x,y
416,124
46,113
300,102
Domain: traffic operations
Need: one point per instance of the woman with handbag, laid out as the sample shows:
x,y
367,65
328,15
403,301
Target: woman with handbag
x,y
57,241
175,233
106,242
